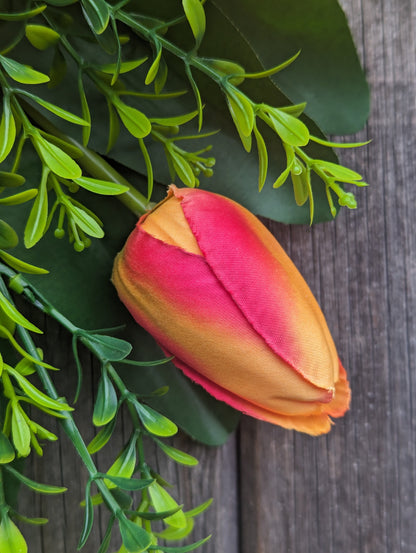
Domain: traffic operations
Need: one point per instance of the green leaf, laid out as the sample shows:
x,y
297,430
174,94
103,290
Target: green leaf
x,y
58,69
20,430
175,120
85,222
163,501
182,167
241,111
36,223
290,129
113,127
20,198
154,422
339,172
195,15
134,120
97,14
135,539
8,236
177,455
125,464
102,438
234,70
125,66
7,129
107,348
56,159
7,453
36,486
16,316
106,188
88,517
180,549
11,179
154,68
22,73
41,37
38,397
20,16
199,509
11,539
129,484
338,98
263,157
56,110
106,403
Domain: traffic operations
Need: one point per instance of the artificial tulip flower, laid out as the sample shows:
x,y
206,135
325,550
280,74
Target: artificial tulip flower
x,y
213,286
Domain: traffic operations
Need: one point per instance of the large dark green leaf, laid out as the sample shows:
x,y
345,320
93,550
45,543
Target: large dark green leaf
x,y
327,74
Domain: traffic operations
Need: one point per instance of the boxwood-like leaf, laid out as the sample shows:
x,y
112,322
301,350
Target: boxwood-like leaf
x,y
105,407
22,73
155,422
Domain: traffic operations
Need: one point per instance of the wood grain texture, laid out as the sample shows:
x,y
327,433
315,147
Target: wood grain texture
x,y
354,490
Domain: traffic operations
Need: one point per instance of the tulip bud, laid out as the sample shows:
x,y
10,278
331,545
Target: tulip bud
x,y
217,291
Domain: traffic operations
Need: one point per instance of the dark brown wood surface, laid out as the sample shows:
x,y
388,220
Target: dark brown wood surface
x,y
353,491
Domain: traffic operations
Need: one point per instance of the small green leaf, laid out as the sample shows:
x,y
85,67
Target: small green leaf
x,y
106,403
113,127
182,167
20,430
125,464
41,37
331,144
161,77
20,16
163,501
135,539
36,486
88,517
16,316
300,186
241,111
85,222
8,236
7,453
68,148
228,68
134,120
19,198
102,438
7,129
199,509
125,66
105,188
22,73
154,422
11,539
172,533
149,168
339,172
56,110
175,120
129,484
154,68
11,179
263,157
97,14
195,15
290,129
273,70
34,393
180,549
196,93
58,69
107,348
56,159
36,223
177,455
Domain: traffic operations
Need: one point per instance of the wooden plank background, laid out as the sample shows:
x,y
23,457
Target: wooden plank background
x,y
354,490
